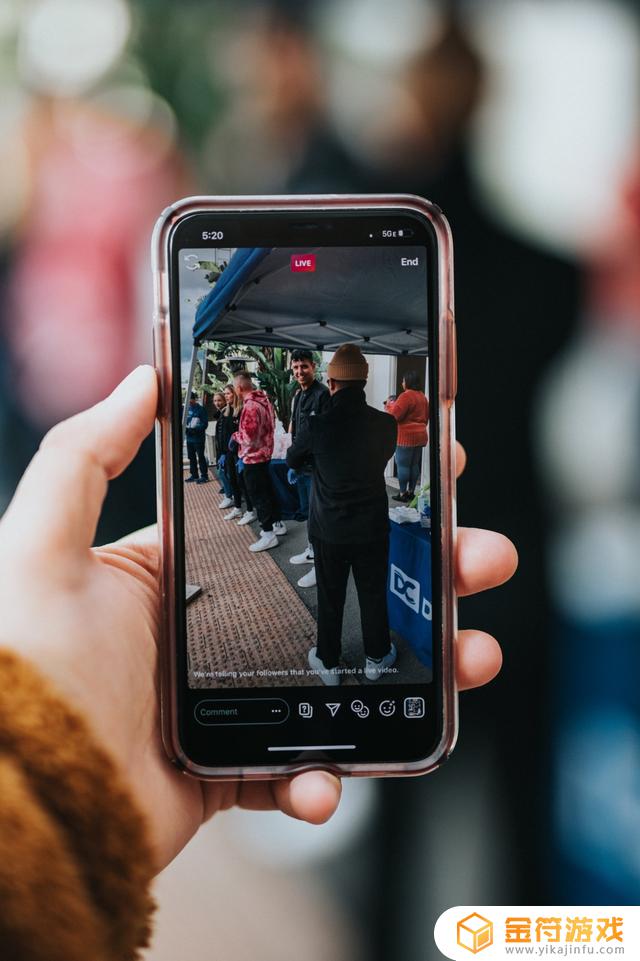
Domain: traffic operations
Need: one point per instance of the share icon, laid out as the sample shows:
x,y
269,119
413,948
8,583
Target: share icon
x,y
333,709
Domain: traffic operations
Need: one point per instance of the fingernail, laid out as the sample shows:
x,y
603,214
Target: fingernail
x,y
133,381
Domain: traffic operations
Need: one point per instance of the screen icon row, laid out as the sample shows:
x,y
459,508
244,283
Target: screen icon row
x,y
413,707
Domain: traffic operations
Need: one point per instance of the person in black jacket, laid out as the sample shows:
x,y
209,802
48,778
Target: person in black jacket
x,y
310,400
197,422
349,446
223,428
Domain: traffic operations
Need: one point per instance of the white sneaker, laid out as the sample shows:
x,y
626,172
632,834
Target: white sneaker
x,y
308,579
246,518
305,558
280,528
373,669
236,512
226,502
328,675
266,542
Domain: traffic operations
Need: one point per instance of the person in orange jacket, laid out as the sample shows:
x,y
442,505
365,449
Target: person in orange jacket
x,y
411,410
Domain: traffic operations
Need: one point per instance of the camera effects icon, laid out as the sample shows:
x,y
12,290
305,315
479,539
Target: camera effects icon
x,y
387,708
360,708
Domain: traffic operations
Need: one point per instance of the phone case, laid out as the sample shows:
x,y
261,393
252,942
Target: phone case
x,y
447,372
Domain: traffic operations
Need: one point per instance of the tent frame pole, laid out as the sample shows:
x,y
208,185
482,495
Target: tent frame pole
x,y
192,370
191,590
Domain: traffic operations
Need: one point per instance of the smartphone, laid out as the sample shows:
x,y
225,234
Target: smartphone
x,y
306,519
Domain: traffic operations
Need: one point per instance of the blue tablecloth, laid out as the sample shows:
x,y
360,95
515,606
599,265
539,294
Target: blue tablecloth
x,y
286,493
409,587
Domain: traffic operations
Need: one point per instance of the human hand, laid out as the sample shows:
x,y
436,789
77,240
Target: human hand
x,y
292,476
222,460
89,618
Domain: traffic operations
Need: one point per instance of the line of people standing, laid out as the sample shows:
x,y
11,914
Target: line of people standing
x,y
338,455
244,436
244,447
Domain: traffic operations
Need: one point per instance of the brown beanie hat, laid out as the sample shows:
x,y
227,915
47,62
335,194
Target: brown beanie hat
x,y
348,363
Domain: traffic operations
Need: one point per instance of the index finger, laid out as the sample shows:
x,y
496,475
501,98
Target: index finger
x,y
58,501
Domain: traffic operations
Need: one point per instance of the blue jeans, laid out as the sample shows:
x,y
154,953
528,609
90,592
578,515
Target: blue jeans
x,y
224,481
408,461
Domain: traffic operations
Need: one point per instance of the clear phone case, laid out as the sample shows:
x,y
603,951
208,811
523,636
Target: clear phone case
x,y
164,444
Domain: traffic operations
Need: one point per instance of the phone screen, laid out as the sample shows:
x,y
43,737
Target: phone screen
x,y
305,487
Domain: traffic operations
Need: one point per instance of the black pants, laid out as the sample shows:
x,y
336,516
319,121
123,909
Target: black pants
x,y
369,563
260,490
238,486
195,452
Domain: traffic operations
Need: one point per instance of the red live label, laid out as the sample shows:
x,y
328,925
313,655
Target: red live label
x,y
302,262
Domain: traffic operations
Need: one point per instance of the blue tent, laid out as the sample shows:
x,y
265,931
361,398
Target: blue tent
x,y
226,289
353,295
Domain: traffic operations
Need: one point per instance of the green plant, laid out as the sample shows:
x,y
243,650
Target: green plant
x,y
423,491
221,374
274,374
275,378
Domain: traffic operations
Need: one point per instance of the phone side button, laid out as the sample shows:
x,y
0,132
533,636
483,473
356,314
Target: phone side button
x,y
154,342
159,362
452,360
159,358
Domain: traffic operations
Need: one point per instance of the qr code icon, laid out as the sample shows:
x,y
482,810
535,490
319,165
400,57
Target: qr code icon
x,y
414,707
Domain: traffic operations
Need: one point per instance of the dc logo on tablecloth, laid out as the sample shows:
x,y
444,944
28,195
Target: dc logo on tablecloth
x,y
407,589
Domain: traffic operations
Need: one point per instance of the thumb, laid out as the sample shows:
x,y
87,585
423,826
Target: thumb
x,y
58,501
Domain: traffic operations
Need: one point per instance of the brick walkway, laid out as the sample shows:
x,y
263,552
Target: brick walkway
x,y
248,617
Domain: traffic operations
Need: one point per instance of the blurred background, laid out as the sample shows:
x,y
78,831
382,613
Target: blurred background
x,y
520,119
